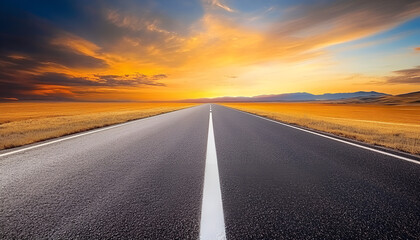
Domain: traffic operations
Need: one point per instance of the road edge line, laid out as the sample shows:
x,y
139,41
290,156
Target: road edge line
x,y
333,138
83,133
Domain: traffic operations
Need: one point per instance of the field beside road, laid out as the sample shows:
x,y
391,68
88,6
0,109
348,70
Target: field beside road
x,y
29,122
396,127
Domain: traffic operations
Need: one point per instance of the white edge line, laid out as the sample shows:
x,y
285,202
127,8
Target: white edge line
x,y
212,224
335,139
84,133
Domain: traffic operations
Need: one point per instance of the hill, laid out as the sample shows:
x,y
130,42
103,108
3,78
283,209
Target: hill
x,y
402,99
291,97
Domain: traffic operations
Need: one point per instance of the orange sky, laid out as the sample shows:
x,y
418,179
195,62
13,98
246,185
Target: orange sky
x,y
222,48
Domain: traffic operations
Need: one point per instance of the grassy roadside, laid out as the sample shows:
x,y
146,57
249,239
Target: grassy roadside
x,y
396,127
25,123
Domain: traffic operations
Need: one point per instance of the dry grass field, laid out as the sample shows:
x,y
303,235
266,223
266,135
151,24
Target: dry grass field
x,y
24,123
395,127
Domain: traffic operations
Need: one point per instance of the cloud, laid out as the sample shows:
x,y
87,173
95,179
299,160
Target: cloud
x,y
335,22
131,80
29,45
136,23
51,85
407,76
128,80
301,34
10,99
221,5
33,38
417,49
148,35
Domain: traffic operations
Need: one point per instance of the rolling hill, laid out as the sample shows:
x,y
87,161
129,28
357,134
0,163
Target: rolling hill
x,y
292,97
402,99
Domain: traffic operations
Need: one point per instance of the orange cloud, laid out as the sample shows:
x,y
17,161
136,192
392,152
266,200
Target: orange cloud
x,y
196,58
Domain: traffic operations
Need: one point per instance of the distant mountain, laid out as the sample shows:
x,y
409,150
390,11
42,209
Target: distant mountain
x,y
402,99
290,97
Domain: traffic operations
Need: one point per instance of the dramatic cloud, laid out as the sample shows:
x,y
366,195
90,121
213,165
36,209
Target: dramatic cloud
x,y
29,84
128,80
16,90
409,76
28,45
32,39
131,80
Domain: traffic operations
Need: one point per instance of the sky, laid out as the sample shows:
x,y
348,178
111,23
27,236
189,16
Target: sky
x,y
147,50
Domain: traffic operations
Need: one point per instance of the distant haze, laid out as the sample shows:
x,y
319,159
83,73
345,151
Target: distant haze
x,y
291,97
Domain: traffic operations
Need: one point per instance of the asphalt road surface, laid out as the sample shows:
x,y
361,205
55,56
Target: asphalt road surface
x,y
144,180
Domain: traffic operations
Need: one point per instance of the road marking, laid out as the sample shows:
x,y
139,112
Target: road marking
x,y
82,134
212,226
336,139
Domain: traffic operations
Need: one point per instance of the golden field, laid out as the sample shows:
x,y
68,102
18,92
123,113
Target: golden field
x,y
396,127
24,123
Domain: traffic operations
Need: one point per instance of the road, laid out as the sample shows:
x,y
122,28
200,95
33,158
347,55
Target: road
x,y
145,179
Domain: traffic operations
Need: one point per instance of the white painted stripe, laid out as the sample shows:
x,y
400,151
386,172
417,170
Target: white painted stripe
x,y
337,139
81,134
212,226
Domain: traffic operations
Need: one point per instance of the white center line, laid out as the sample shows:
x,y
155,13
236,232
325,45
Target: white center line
x,y
212,226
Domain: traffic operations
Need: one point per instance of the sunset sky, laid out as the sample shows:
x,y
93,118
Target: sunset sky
x,y
170,50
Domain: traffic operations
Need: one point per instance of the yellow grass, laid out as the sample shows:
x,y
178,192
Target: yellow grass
x,y
24,123
395,127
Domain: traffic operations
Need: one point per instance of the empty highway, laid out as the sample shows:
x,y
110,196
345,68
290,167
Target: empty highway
x,y
209,174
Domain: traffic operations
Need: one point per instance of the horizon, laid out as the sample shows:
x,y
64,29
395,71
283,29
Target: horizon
x,y
172,51
219,99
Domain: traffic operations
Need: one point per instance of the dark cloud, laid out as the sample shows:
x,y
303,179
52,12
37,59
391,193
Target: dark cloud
x,y
409,76
18,79
25,35
13,64
133,80
24,86
28,43
13,80
14,89
60,79
107,22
